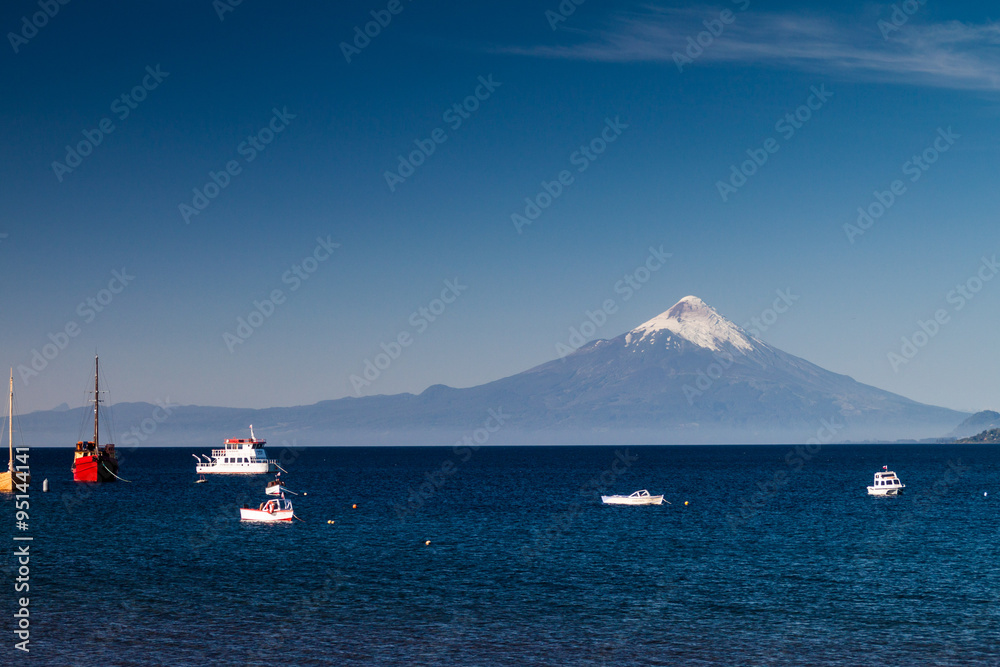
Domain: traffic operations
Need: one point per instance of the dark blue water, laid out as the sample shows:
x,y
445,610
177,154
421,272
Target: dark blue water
x,y
776,560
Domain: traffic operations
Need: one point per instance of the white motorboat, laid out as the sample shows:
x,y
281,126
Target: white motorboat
x,y
276,488
275,509
886,484
638,498
244,456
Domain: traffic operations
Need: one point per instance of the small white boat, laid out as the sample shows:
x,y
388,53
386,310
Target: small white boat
x,y
638,498
275,488
886,484
276,509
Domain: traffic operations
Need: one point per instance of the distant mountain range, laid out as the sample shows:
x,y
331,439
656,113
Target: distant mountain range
x,y
688,375
977,423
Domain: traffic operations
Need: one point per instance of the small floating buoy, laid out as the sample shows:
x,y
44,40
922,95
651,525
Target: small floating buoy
x,y
685,502
984,492
427,542
304,493
45,485
354,507
330,521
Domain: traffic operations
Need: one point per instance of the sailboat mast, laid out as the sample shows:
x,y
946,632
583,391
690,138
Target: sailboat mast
x,y
97,400
10,417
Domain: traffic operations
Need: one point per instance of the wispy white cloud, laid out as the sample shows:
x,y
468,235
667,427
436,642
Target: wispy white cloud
x,y
946,55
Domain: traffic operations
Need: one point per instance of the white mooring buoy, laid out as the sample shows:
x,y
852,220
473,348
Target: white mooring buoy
x,y
45,485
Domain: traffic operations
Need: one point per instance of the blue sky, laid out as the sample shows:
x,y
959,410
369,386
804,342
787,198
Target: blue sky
x,y
328,130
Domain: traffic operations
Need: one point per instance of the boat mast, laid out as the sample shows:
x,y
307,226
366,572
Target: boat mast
x,y
10,416
97,400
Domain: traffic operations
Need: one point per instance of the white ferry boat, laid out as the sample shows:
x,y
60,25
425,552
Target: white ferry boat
x,y
886,484
244,456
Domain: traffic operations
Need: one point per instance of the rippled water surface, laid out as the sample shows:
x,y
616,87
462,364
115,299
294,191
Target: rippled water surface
x,y
779,558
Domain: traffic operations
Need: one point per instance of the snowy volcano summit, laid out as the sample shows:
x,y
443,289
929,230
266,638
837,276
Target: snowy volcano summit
x,y
696,322
691,375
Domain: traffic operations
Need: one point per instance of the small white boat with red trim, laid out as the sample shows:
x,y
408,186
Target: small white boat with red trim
x,y
275,509
638,498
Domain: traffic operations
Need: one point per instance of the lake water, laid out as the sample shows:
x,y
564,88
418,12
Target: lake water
x,y
779,558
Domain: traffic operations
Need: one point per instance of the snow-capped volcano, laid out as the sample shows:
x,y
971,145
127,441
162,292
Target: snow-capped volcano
x,y
686,376
696,322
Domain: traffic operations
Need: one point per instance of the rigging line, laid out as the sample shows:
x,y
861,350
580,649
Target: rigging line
x,y
116,476
16,422
86,427
85,416
107,412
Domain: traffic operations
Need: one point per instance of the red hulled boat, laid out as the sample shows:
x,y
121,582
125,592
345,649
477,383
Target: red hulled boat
x,y
91,462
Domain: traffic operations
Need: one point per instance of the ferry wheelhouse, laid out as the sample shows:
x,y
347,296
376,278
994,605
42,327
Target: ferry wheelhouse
x,y
240,456
886,484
